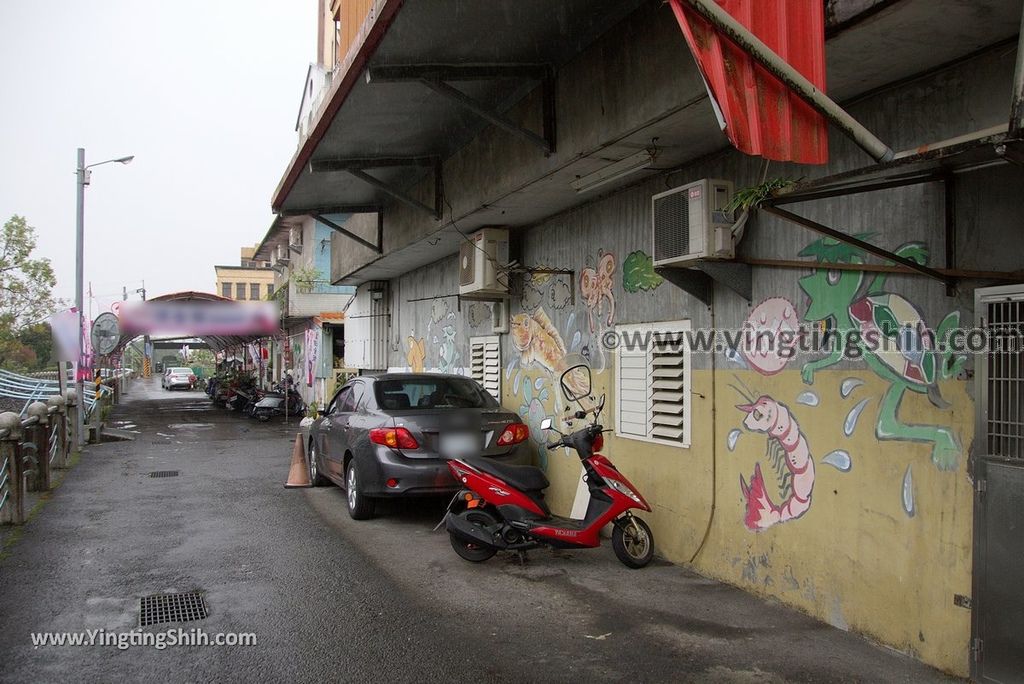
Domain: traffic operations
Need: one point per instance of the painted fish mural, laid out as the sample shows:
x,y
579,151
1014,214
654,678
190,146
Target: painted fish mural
x,y
539,343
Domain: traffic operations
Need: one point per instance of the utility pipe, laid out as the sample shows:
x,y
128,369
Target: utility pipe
x,y
1017,101
781,69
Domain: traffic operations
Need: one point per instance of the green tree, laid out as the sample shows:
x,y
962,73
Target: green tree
x,y
26,293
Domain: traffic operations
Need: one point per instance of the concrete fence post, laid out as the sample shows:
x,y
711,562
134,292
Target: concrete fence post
x,y
94,419
41,438
73,408
13,511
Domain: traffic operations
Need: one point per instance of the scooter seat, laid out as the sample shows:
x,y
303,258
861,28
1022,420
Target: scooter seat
x,y
524,478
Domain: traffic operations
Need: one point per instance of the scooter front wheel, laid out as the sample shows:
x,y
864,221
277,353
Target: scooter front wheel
x,y
633,542
474,553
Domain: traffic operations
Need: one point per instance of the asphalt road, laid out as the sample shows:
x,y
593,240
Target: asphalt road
x,y
332,599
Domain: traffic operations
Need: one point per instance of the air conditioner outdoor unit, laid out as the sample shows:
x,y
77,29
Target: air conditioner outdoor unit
x,y
480,259
281,255
690,223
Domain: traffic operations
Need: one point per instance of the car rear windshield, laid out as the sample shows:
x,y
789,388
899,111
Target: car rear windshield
x,y
182,371
428,392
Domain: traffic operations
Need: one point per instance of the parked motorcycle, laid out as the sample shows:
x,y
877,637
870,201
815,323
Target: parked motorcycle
x,y
274,404
503,508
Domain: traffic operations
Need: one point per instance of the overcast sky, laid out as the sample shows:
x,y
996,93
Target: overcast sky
x,y
204,93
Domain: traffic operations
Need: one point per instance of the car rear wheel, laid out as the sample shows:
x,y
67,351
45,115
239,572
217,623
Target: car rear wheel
x,y
359,506
474,553
315,478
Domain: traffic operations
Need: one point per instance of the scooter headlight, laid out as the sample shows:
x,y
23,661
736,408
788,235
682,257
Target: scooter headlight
x,y
622,489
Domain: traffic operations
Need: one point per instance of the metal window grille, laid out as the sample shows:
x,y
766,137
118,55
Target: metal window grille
x,y
1003,411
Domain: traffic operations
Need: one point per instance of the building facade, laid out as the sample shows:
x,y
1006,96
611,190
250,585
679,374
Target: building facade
x,y
836,477
251,280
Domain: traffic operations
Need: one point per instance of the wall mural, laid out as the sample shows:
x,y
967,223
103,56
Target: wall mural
x,y
913,361
415,353
790,457
774,316
638,272
596,289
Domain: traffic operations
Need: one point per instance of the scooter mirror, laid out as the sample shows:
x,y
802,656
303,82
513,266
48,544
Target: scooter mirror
x,y
576,382
545,424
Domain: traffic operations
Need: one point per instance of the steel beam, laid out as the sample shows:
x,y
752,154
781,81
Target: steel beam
x,y
349,234
860,244
399,73
483,111
346,163
397,194
338,209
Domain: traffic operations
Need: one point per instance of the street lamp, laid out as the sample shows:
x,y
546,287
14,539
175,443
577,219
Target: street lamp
x,y
82,179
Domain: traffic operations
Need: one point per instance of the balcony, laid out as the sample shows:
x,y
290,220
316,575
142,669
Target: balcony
x,y
305,299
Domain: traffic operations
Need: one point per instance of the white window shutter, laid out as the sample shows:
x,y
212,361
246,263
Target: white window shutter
x,y
653,383
485,363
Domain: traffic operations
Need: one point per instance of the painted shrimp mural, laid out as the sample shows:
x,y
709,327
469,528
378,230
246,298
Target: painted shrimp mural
x,y
791,459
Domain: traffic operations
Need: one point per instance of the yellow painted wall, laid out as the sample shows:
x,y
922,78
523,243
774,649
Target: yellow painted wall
x,y
855,559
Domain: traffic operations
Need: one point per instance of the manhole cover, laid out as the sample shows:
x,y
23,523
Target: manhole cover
x,y
160,608
164,473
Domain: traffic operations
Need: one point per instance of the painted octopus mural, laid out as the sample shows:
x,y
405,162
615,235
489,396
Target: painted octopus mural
x,y
596,289
911,361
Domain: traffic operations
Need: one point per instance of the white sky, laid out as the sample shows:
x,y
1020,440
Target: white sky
x,y
204,93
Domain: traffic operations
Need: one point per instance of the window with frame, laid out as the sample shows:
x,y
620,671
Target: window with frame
x,y
652,383
240,290
485,363
254,290
225,290
270,289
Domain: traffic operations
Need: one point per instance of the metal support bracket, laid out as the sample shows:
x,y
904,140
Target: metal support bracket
x,y
860,244
357,167
698,280
378,248
438,77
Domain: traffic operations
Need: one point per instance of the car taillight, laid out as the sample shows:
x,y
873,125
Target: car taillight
x,y
396,438
514,434
599,442
191,378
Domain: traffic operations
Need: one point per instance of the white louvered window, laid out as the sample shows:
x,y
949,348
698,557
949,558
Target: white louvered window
x,y
485,363
652,380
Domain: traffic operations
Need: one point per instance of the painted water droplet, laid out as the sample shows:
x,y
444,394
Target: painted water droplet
x,y
538,383
568,324
849,384
509,368
838,459
577,339
808,399
908,493
734,435
515,384
734,356
851,418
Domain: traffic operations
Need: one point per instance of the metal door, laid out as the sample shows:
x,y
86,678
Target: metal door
x,y
997,645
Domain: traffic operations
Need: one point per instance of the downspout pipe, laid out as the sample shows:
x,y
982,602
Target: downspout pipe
x,y
1017,102
781,69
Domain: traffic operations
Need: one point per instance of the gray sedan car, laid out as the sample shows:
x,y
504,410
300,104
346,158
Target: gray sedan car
x,y
391,435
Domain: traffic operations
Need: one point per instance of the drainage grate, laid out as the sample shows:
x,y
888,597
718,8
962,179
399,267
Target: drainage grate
x,y
164,473
160,608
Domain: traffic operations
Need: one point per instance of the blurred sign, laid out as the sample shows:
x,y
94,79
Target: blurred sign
x,y
200,318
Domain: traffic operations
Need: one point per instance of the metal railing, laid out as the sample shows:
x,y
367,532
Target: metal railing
x,y
27,389
30,448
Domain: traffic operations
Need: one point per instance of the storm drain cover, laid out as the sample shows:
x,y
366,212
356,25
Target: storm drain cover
x,y
164,473
182,607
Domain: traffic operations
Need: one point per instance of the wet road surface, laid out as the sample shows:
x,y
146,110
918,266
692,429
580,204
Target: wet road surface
x,y
332,599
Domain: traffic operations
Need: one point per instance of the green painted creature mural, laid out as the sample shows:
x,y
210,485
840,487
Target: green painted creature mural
x,y
889,333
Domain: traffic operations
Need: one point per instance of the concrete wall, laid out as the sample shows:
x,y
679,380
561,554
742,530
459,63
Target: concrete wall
x,y
886,539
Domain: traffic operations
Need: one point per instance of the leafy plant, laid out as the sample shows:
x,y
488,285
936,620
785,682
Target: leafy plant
x,y
749,198
306,278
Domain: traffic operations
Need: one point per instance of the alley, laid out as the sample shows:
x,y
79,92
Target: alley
x,y
337,600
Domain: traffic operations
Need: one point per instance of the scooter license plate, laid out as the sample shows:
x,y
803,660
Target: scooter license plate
x,y
456,444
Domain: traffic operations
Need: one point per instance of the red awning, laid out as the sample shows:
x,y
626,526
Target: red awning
x,y
760,114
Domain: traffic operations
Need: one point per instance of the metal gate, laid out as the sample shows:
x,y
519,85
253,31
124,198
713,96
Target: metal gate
x,y
998,603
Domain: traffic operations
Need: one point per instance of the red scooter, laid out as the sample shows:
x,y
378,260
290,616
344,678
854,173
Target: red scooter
x,y
503,508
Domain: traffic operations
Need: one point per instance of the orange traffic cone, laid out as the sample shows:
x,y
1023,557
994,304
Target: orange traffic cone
x,y
298,475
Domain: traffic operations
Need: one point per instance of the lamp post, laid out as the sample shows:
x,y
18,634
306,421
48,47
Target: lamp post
x,y
81,180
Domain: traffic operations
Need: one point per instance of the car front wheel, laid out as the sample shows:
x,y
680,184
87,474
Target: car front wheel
x,y
315,478
359,506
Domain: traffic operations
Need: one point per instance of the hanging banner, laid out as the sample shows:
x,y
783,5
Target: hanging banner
x,y
312,354
64,328
760,114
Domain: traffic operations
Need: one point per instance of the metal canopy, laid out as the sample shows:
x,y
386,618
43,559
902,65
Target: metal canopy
x,y
399,111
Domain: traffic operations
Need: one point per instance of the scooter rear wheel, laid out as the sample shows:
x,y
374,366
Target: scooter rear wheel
x,y
633,546
474,553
